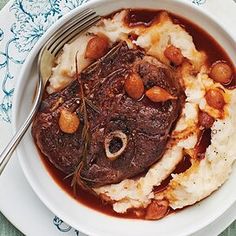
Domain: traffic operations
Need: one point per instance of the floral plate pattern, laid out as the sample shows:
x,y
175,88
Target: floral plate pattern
x,y
31,18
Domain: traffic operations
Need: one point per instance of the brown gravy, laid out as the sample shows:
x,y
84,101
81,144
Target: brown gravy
x,y
141,17
203,41
83,196
203,143
180,168
92,201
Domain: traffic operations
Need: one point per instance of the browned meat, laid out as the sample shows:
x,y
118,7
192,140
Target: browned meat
x,y
145,124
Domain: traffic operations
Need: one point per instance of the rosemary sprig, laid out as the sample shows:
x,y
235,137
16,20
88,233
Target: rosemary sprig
x,y
85,131
86,137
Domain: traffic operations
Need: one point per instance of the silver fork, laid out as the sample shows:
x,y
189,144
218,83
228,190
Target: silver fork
x,y
46,57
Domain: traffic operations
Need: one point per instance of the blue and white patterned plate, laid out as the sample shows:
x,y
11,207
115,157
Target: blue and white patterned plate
x,y
22,23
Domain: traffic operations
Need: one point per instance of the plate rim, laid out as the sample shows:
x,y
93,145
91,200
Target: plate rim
x,y
34,52
21,70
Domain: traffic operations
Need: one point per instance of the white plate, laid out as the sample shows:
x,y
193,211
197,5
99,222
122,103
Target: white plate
x,y
26,22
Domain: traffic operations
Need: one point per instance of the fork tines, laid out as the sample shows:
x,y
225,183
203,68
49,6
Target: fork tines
x,y
71,29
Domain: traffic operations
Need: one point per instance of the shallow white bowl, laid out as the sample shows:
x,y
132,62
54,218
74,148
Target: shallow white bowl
x,y
64,206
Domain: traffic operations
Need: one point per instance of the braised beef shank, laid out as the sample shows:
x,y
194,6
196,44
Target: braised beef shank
x,y
146,124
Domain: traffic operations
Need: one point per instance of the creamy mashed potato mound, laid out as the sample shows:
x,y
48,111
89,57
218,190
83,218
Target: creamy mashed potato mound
x,y
204,176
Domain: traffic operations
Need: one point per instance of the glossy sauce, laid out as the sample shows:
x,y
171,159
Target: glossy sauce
x,y
203,143
141,17
83,196
203,41
92,201
183,165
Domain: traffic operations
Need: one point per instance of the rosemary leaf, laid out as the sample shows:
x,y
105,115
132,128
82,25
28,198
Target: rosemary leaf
x,y
94,107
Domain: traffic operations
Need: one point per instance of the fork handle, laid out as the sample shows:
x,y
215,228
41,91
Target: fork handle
x,y
10,148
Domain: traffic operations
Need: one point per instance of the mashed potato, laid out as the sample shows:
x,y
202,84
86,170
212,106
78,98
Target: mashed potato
x,y
207,175
204,176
